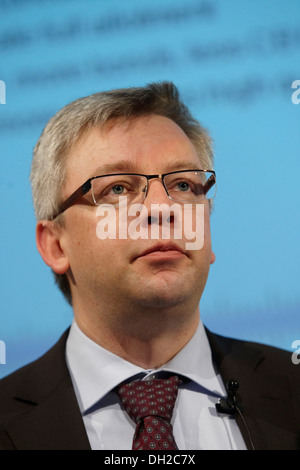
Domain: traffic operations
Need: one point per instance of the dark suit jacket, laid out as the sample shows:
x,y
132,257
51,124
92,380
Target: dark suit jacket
x,y
39,410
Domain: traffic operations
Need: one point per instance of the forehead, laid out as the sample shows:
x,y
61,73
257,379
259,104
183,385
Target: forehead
x,y
143,144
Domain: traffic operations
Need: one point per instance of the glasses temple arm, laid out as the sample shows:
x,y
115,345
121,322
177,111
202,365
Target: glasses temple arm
x,y
70,201
209,184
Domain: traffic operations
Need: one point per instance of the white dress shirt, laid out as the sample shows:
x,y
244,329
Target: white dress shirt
x,y
95,373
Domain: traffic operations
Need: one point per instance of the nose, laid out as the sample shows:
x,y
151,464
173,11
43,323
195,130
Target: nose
x,y
157,194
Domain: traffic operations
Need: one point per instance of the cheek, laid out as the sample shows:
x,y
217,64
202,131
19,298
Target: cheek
x,y
196,228
91,251
81,240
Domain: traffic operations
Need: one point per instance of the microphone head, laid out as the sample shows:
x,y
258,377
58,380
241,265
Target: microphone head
x,y
232,385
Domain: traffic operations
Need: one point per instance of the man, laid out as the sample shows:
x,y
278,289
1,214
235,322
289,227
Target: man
x,y
136,298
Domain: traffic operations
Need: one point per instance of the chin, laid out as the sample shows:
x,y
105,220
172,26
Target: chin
x,y
159,302
166,289
166,296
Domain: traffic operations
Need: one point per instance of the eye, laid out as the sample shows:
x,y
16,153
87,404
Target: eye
x,y
104,192
183,186
118,189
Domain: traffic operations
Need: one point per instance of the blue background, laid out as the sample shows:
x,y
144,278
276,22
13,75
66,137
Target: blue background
x,y
234,63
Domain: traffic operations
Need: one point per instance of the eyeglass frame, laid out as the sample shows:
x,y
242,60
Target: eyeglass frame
x,y
87,186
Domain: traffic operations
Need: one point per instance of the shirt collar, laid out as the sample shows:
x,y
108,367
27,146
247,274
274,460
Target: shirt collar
x,y
95,371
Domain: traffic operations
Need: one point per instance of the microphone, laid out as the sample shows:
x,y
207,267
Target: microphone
x,y
230,405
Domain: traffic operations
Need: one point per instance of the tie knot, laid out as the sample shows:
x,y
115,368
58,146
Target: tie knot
x,y
155,397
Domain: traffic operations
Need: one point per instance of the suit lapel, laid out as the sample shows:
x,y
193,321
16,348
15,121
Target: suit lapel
x,y
263,395
53,420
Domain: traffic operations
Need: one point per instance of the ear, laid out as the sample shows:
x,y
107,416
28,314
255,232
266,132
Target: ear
x,y
48,238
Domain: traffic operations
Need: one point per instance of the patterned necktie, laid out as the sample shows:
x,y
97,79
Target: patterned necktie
x,y
150,403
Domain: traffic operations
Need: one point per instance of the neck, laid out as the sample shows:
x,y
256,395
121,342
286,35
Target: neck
x,y
145,339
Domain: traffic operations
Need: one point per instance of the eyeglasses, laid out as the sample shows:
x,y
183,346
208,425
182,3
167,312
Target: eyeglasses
x,y
186,186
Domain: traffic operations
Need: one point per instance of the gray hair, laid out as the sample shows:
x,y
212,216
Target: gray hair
x,y
65,128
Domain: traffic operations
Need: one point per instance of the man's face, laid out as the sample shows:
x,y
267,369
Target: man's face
x,y
117,271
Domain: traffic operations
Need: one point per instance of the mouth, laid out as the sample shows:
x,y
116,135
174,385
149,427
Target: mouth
x,y
163,251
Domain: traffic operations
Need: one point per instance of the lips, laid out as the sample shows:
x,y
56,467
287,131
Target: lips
x,y
172,248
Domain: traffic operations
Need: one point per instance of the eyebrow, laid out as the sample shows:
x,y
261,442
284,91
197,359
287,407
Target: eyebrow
x,y
183,165
129,166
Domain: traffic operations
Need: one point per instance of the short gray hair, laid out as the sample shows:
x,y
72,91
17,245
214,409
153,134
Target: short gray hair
x,y
66,127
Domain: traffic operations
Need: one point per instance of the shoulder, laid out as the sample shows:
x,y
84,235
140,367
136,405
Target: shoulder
x,y
269,384
253,353
259,368
26,385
